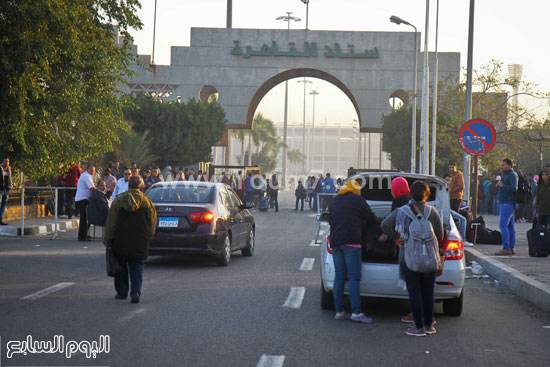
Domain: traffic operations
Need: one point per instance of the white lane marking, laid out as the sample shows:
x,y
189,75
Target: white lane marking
x,y
546,327
132,314
271,361
45,292
313,244
307,263
295,297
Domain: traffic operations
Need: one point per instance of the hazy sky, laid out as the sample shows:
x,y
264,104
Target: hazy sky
x,y
511,31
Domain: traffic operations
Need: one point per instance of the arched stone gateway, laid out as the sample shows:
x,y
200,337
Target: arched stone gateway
x,y
242,65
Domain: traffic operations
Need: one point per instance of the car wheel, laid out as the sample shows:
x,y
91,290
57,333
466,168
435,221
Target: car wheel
x,y
249,249
223,258
453,307
327,299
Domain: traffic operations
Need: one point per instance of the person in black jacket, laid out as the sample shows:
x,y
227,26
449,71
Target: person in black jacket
x,y
98,206
349,213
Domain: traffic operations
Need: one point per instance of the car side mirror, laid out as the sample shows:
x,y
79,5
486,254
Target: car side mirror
x,y
248,205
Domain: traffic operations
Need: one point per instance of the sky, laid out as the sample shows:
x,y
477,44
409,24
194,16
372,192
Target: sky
x,y
511,31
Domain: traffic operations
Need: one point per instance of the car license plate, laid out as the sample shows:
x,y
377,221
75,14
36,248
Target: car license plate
x,y
168,222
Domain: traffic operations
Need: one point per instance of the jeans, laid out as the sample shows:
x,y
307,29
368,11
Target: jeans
x,y
455,204
4,194
135,268
297,200
274,198
82,206
421,295
506,225
495,206
347,262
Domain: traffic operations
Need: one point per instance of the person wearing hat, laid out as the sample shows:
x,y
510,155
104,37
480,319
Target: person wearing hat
x,y
349,213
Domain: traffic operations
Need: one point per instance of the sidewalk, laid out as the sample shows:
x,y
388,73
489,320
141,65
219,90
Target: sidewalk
x,y
526,277
38,226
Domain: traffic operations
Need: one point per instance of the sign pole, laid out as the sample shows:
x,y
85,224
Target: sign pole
x,y
475,197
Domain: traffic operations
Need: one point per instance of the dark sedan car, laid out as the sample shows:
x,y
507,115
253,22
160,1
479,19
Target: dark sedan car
x,y
201,218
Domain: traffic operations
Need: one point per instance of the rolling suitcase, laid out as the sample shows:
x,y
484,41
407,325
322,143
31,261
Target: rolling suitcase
x,y
538,240
263,204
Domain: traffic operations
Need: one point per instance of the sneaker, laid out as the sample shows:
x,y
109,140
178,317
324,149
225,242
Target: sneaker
x,y
361,318
118,296
413,331
430,330
342,316
503,252
408,319
135,298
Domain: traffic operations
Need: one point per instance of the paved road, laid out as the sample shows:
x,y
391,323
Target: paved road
x,y
196,314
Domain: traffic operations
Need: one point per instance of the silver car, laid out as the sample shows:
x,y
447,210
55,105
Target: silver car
x,y
380,271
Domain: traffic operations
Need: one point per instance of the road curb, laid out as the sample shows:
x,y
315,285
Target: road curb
x,y
43,229
518,283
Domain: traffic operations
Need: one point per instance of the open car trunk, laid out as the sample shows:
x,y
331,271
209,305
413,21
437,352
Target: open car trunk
x,y
378,252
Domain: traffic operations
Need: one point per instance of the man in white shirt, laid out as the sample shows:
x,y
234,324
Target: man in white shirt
x,y
122,184
84,190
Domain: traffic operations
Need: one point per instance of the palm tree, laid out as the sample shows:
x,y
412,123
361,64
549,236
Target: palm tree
x,y
295,157
134,147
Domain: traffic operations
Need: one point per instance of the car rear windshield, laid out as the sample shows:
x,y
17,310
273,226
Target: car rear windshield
x,y
379,189
182,194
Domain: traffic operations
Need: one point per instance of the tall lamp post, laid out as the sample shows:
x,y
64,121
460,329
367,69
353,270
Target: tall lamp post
x,y
313,93
287,18
358,143
397,20
307,12
305,81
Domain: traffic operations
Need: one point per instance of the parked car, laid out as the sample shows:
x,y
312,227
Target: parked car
x,y
380,269
201,218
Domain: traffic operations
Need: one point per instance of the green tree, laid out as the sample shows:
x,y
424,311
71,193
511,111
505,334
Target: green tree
x,y
62,65
181,133
295,157
490,101
135,147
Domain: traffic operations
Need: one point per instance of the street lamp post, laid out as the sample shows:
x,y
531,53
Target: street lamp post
x,y
307,12
313,93
434,100
305,81
398,21
287,18
358,143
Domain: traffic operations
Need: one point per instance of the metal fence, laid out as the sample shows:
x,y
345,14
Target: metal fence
x,y
39,195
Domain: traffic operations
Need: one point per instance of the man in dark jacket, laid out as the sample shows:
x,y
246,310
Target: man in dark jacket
x,y
508,187
5,186
130,225
349,213
98,206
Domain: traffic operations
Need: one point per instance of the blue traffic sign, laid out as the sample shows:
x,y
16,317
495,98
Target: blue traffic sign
x,y
477,137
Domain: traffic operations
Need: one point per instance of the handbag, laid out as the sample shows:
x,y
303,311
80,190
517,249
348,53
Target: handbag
x,y
114,267
440,271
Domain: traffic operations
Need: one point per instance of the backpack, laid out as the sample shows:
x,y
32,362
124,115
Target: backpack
x,y
421,247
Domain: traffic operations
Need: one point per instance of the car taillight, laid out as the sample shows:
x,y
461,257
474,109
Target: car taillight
x,y
328,245
454,250
206,217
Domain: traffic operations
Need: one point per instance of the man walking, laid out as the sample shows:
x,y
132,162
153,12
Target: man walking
x,y
130,225
456,187
5,186
84,190
507,189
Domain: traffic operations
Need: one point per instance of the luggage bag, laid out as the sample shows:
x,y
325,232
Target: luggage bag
x,y
538,240
263,204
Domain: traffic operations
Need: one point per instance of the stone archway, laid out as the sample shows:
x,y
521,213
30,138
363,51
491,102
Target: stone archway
x,y
291,74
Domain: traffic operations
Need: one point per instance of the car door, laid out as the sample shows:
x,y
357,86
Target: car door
x,y
244,223
233,222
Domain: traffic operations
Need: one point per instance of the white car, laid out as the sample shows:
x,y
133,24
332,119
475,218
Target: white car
x,y
380,274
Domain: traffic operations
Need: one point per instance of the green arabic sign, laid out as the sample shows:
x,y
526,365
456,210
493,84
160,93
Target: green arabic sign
x,y
310,50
